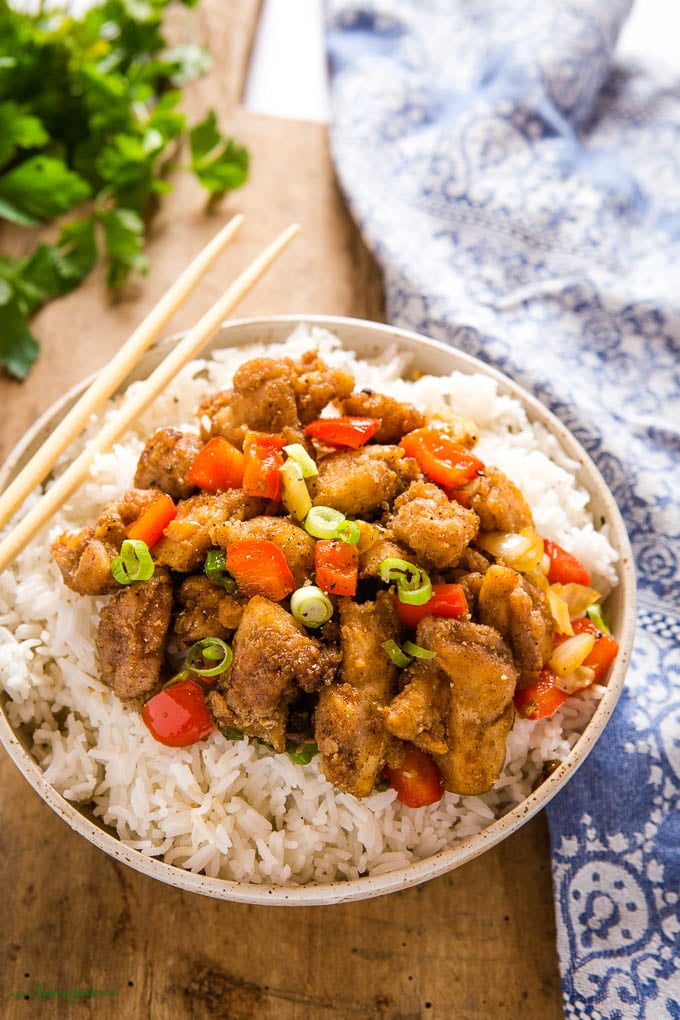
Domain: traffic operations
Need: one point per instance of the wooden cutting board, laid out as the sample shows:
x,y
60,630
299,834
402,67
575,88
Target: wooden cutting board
x,y
477,943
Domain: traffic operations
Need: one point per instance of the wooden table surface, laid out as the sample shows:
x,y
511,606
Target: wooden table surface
x,y
477,943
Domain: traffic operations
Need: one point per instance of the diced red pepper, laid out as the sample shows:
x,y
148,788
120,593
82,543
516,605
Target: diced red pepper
x,y
604,650
218,466
417,780
260,568
441,458
153,521
344,431
336,567
178,716
446,600
564,568
263,461
542,699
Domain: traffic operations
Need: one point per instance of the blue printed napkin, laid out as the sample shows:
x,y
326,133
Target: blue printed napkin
x,y
521,191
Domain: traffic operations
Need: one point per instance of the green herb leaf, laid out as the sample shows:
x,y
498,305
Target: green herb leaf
x,y
124,241
18,346
220,163
19,131
38,189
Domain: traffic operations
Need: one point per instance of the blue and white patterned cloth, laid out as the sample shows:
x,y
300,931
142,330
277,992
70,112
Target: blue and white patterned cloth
x,y
521,192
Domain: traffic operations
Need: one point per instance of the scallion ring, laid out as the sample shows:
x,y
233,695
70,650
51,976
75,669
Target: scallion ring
x,y
417,651
348,531
413,583
134,562
394,653
311,606
216,570
212,649
302,753
307,464
323,522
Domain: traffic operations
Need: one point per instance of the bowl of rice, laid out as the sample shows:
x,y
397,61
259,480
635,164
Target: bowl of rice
x,y
230,818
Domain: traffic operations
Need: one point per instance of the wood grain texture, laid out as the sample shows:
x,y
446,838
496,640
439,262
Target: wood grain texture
x,y
477,943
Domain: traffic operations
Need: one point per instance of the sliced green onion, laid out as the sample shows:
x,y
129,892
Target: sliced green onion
x,y
594,614
216,570
134,562
413,584
348,531
394,653
232,734
302,753
297,452
323,521
213,649
417,651
311,606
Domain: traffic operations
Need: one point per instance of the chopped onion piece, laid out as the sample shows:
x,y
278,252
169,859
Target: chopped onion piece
x,y
583,676
571,653
306,463
521,550
559,611
295,495
577,596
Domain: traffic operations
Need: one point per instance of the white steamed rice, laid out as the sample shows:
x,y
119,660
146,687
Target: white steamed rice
x,y
234,809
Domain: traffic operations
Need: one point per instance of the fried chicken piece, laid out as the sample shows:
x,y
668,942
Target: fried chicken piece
x,y
519,611
84,557
186,540
131,635
419,712
274,659
482,679
316,385
363,482
383,548
205,611
349,729
437,528
165,461
294,542
396,417
272,395
498,502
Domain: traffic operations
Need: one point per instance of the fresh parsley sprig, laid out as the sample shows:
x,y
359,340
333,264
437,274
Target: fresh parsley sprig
x,y
90,123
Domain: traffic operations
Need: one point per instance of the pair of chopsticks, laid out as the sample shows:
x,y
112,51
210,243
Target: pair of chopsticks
x,y
107,381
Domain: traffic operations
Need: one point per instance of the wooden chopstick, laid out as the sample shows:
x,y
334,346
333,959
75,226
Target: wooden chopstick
x,y
107,381
190,345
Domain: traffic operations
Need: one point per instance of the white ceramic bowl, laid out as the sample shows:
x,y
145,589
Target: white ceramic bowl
x,y
367,339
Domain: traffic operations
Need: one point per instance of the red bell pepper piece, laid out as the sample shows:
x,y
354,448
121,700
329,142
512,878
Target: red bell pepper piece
x,y
153,521
439,457
218,466
417,780
178,716
446,600
564,568
541,699
260,568
336,567
262,465
344,431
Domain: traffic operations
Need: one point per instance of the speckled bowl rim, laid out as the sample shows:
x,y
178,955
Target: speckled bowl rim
x,y
366,338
